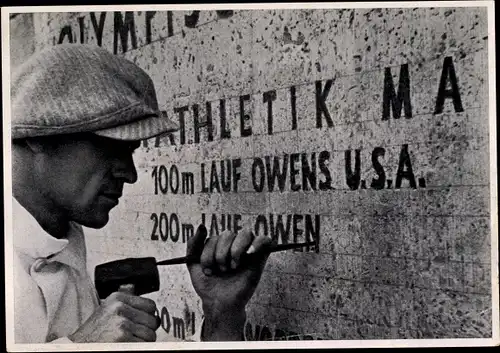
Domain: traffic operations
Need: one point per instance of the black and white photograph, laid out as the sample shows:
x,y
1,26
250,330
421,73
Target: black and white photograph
x,y
308,175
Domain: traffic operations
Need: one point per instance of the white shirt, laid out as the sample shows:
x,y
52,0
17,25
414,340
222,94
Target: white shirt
x,y
53,292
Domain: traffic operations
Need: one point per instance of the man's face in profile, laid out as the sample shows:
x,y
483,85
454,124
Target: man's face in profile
x,y
83,175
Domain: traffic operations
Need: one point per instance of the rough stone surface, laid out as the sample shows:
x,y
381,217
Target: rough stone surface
x,y
405,261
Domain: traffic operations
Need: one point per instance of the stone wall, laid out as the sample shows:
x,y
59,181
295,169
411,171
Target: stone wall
x,y
365,130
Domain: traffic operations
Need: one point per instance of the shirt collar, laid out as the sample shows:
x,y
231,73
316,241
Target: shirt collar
x,y
32,240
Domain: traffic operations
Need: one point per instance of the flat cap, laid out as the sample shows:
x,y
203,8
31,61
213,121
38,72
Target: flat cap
x,y
73,88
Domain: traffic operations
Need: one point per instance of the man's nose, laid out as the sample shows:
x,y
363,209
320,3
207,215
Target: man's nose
x,y
125,169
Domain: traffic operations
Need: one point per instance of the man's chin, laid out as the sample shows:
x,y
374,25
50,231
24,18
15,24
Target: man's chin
x,y
95,216
95,223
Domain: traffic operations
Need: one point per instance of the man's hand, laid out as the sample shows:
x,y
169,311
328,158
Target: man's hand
x,y
122,317
224,283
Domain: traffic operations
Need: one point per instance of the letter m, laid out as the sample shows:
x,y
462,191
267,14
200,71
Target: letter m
x,y
122,29
187,232
396,101
187,183
178,324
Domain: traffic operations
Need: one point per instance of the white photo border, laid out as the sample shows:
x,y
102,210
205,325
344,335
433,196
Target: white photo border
x,y
473,342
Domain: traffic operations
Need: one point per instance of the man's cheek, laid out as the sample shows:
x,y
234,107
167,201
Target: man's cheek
x,y
91,189
92,212
86,207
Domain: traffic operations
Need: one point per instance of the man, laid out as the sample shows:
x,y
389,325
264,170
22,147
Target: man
x,y
78,113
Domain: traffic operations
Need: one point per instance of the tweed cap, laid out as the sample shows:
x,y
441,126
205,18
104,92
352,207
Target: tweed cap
x,y
73,88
